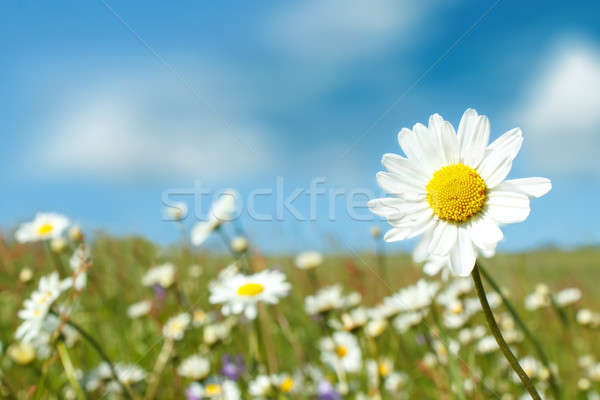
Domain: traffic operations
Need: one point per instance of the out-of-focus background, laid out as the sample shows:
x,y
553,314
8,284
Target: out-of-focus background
x,y
106,105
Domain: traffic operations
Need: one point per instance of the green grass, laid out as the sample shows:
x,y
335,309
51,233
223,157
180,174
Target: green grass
x,y
118,265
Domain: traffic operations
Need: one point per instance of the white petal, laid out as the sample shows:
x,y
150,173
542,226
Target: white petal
x,y
485,232
394,207
462,256
397,163
510,142
434,265
444,238
398,185
412,148
413,219
493,170
532,187
421,249
430,146
475,141
250,311
408,231
506,207
450,144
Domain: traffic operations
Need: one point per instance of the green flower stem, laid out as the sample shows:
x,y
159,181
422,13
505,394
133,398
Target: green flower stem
x,y
69,370
453,371
510,357
513,312
100,352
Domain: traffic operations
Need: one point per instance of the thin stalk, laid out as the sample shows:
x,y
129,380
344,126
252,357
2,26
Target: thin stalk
x,y
101,353
69,370
513,312
453,371
159,366
510,357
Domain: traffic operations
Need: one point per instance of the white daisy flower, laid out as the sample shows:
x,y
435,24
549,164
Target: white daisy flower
x,y
36,307
194,367
309,260
330,298
287,383
451,188
79,263
139,309
175,326
222,210
341,350
404,322
44,226
240,293
487,345
176,212
163,275
567,296
260,386
225,390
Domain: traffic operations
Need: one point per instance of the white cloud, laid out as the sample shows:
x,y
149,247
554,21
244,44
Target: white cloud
x,y
335,30
561,110
120,133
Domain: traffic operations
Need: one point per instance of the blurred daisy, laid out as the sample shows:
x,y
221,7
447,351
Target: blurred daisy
x,y
239,244
240,293
309,260
225,390
44,226
194,367
79,263
286,383
222,210
260,387
21,352
175,326
451,188
341,350
139,309
37,306
487,345
567,297
326,299
176,211
163,275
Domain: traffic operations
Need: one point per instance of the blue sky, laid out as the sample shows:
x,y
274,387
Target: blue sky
x,y
108,104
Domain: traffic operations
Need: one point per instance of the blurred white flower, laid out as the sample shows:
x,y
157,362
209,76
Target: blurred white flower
x,y
44,226
163,275
194,367
451,188
567,296
326,299
36,307
309,260
75,233
21,352
240,293
222,210
176,211
58,244
487,345
139,309
175,326
239,244
341,350
222,390
79,263
260,386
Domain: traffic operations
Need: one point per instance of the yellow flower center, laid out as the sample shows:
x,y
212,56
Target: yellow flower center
x,y
456,193
286,385
45,229
341,351
250,289
213,389
384,369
